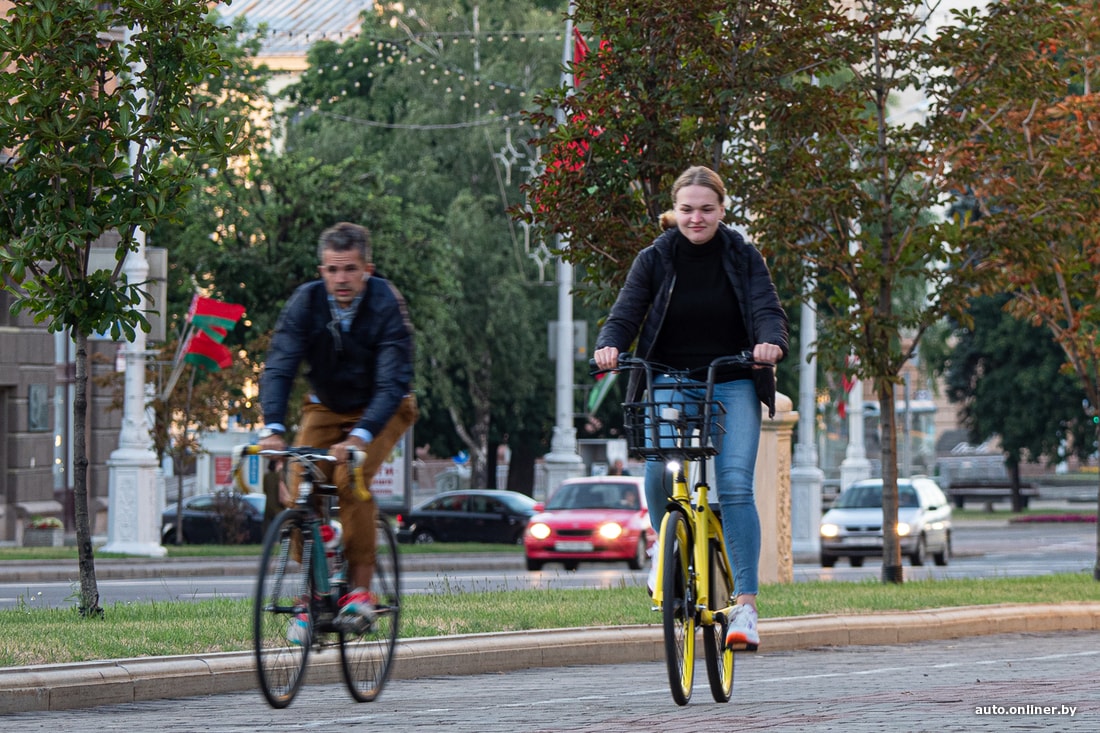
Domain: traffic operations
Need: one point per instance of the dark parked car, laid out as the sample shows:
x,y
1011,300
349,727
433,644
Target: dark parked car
x,y
219,518
476,515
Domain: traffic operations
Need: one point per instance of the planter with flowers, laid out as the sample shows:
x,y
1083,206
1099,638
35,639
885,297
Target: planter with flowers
x,y
43,532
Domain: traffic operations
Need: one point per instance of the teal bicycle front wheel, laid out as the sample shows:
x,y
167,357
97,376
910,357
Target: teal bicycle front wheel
x,y
282,618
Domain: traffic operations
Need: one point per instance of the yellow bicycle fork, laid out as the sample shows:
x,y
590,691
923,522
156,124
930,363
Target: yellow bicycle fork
x,y
700,517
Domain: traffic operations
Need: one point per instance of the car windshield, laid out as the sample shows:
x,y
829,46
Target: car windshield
x,y
869,496
595,496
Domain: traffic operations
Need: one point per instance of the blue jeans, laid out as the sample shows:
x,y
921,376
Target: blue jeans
x,y
734,468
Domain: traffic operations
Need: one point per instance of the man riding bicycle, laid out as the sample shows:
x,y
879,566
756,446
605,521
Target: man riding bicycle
x,y
353,330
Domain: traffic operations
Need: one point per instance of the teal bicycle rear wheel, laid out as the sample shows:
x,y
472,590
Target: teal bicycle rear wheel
x,y
367,657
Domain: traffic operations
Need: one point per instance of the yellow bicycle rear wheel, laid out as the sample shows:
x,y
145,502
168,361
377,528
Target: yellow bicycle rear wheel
x,y
719,657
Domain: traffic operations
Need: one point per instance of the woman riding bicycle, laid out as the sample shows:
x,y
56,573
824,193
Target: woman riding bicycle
x,y
726,303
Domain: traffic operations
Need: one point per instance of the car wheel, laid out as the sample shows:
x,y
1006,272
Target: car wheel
x,y
534,564
571,565
920,554
941,558
828,561
169,537
423,537
637,562
856,562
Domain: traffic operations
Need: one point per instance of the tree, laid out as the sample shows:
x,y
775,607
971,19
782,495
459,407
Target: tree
x,y
431,98
1008,376
792,104
100,106
1032,172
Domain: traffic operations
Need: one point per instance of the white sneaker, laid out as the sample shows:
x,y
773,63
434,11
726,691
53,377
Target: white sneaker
x,y
742,627
651,582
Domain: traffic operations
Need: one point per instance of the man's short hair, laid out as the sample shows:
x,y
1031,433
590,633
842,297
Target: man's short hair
x,y
345,237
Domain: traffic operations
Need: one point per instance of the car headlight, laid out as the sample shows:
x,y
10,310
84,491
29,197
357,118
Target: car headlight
x,y
830,530
904,529
539,531
611,530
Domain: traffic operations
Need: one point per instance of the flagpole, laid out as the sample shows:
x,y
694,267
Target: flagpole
x,y
177,366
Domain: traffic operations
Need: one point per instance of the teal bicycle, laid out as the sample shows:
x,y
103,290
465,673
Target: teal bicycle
x,y
301,580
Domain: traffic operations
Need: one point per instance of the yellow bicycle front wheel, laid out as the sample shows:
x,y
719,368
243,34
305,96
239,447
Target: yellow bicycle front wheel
x,y
678,604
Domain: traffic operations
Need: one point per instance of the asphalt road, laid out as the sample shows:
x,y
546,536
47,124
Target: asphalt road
x,y
981,550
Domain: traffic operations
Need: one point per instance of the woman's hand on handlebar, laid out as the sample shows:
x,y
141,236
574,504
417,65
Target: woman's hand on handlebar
x,y
606,357
765,352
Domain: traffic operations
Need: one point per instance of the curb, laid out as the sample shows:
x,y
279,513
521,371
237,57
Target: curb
x,y
90,684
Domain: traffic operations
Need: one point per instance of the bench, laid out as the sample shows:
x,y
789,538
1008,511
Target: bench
x,y
989,492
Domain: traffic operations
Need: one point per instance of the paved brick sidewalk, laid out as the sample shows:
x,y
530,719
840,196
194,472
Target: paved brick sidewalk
x,y
1026,681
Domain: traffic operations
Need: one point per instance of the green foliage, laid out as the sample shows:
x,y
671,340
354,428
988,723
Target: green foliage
x,y
94,116
435,105
1008,375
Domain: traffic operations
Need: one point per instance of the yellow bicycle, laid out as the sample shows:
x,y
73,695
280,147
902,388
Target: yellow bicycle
x,y
680,423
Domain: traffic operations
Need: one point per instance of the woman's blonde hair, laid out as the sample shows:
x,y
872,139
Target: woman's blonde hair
x,y
697,175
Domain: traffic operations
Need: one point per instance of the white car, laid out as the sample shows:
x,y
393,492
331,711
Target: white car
x,y
852,528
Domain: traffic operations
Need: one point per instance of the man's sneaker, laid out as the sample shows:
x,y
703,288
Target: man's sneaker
x,y
356,611
742,627
298,631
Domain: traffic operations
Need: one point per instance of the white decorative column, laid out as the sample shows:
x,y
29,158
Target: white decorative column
x,y
133,511
806,476
855,466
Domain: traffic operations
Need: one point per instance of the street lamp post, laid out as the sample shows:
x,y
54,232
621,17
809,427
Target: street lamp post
x,y
563,461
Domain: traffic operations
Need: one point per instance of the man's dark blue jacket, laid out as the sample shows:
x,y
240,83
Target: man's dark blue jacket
x,y
370,369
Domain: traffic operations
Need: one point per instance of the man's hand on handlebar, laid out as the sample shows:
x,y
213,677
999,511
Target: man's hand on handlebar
x,y
272,442
340,450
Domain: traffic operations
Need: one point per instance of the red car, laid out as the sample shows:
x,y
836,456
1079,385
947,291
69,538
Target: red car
x,y
593,519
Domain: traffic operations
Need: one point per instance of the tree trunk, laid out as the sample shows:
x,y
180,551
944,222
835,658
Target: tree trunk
x,y
891,548
521,471
1096,566
1014,482
89,591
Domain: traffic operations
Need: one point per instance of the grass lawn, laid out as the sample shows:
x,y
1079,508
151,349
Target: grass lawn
x,y
31,635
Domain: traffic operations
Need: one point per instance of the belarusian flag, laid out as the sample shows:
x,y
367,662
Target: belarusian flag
x,y
214,317
203,351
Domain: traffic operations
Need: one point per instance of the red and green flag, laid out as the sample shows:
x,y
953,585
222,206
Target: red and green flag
x,y
214,317
206,353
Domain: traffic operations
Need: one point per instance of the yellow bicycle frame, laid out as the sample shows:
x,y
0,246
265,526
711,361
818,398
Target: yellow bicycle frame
x,y
705,526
